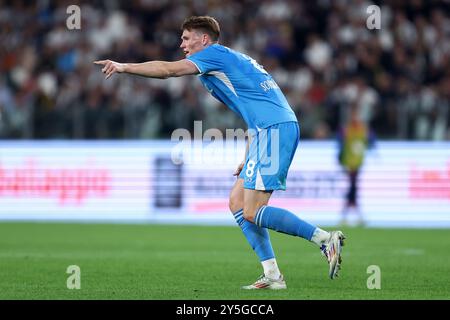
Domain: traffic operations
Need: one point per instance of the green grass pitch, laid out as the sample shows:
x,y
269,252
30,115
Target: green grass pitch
x,y
205,262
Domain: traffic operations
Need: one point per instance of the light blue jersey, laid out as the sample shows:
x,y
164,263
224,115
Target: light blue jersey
x,y
243,85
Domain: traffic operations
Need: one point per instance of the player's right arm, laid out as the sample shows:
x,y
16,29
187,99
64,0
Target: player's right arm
x,y
150,69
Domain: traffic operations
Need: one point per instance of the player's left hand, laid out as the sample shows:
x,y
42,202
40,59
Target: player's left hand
x,y
110,67
239,169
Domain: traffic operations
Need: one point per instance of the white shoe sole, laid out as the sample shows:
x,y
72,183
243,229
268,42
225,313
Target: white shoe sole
x,y
335,263
273,286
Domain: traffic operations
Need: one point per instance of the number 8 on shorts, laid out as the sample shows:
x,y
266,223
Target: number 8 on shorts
x,y
250,168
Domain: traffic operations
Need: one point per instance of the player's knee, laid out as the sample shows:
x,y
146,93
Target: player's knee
x,y
234,203
249,213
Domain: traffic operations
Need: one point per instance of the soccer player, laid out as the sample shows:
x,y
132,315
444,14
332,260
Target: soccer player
x,y
245,87
354,139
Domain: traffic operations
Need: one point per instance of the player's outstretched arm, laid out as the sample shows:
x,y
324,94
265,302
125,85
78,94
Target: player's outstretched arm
x,y
151,69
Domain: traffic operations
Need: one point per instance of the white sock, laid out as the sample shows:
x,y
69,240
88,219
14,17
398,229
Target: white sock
x,y
271,269
320,236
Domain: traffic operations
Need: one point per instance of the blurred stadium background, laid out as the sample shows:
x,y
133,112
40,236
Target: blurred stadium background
x,y
77,148
321,54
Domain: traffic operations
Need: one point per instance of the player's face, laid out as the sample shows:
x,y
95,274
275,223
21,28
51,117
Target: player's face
x,y
191,42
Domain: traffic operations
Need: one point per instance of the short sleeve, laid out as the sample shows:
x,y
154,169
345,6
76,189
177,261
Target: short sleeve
x,y
206,60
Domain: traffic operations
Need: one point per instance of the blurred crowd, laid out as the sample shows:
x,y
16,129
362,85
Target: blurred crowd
x,y
321,53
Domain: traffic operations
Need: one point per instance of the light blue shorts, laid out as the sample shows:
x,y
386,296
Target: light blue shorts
x,y
269,156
